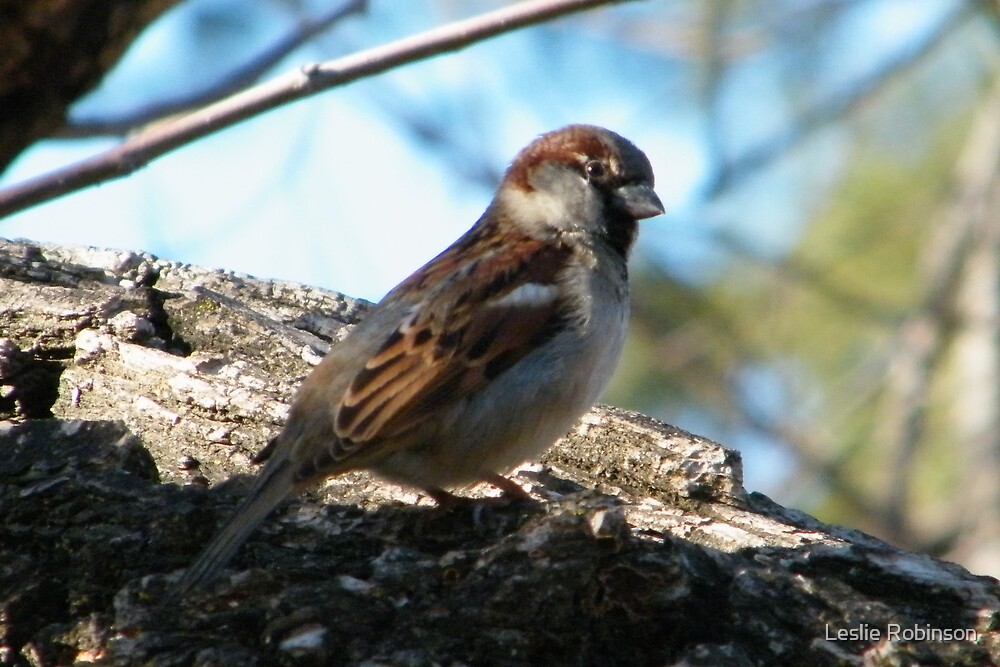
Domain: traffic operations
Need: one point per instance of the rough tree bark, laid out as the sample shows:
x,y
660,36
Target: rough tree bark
x,y
129,384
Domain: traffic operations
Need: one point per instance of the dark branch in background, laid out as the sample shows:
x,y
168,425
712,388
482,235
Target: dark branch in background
x,y
157,140
834,107
711,79
233,82
477,166
717,326
812,453
925,337
813,278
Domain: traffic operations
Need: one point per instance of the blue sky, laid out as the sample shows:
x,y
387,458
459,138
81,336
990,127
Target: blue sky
x,y
330,191
333,192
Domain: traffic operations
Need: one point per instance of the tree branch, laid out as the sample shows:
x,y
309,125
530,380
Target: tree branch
x,y
233,82
307,80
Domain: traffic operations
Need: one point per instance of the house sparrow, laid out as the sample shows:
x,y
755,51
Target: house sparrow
x,y
483,357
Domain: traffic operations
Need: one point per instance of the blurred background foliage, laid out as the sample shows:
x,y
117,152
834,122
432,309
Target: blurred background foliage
x,y
824,293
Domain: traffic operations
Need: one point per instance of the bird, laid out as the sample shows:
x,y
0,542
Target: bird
x,y
482,358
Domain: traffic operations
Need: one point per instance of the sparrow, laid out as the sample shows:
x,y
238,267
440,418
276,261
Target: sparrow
x,y
483,357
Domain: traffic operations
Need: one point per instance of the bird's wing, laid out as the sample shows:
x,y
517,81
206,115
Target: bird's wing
x,y
483,317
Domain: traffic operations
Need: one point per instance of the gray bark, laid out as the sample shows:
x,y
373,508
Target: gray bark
x,y
131,385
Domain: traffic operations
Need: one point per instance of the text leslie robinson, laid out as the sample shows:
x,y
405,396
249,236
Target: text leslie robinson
x,y
900,633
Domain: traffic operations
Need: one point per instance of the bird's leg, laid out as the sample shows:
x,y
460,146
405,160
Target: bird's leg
x,y
444,498
512,492
511,489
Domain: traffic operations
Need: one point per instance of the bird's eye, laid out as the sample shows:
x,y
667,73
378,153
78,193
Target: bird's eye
x,y
594,169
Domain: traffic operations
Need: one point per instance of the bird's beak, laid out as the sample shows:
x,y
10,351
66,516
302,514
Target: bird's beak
x,y
639,200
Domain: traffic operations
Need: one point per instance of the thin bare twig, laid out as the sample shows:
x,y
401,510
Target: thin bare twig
x,y
236,80
157,140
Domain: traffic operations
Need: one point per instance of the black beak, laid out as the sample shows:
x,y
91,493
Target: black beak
x,y
639,200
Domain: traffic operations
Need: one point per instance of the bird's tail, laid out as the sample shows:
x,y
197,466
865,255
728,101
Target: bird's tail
x,y
272,485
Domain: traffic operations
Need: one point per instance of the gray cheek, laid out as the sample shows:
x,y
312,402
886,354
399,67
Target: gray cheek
x,y
584,209
590,210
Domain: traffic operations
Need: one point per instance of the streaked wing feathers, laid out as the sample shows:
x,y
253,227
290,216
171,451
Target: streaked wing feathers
x,y
483,318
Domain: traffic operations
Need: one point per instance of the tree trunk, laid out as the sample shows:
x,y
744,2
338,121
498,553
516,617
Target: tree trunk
x,y
130,384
